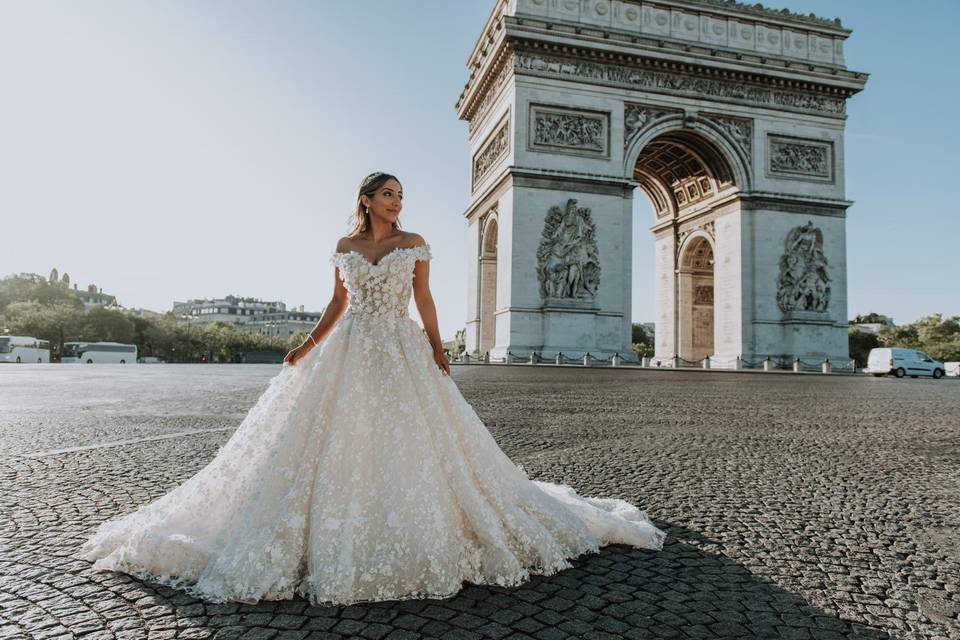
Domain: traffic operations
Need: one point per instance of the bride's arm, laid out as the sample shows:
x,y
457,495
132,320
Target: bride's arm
x,y
331,313
428,311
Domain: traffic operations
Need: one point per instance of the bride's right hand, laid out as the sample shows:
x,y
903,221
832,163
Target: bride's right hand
x,y
294,355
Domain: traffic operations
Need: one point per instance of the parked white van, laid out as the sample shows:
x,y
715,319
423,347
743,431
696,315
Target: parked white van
x,y
903,362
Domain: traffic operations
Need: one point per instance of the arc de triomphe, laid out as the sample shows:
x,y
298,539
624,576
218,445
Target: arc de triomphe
x,y
729,117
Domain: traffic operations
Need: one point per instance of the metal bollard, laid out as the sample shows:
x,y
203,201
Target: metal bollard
x,y
559,357
706,362
586,359
486,358
796,365
615,360
825,367
738,363
645,361
676,362
533,357
766,364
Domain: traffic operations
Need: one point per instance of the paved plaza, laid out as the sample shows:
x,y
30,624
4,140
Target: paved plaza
x,y
796,506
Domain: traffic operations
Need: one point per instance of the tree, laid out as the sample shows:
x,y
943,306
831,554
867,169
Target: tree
x,y
32,287
860,344
102,324
871,318
935,335
642,340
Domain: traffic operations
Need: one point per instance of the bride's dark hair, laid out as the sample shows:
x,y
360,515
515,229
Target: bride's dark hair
x,y
359,218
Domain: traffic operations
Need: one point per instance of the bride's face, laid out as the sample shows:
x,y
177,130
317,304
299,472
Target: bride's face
x,y
386,202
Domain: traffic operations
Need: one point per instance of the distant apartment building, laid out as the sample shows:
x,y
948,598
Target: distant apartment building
x,y
231,309
282,323
252,315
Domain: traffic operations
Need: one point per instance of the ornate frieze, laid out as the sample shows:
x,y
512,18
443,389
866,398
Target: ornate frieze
x,y
568,266
563,130
493,149
637,117
804,284
675,83
740,130
798,158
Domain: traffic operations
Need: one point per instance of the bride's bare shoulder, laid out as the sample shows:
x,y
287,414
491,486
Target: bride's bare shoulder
x,y
412,240
343,244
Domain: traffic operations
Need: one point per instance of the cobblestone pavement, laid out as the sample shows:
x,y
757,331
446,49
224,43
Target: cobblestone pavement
x,y
795,506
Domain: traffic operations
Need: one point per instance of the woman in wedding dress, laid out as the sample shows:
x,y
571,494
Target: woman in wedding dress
x,y
361,473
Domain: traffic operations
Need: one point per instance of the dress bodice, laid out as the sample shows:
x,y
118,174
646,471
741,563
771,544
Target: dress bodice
x,y
382,289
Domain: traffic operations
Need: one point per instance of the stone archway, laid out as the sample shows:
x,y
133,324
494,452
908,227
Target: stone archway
x,y
488,284
695,307
730,118
693,176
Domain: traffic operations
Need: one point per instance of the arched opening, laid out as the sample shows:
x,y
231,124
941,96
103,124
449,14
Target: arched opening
x,y
687,179
681,172
488,285
695,300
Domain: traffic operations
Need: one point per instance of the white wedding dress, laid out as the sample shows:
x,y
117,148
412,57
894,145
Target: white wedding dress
x,y
361,474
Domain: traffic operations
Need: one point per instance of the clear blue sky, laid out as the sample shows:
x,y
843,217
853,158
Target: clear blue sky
x,y
181,149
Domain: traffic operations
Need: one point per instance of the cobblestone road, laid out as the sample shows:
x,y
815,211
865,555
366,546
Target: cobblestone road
x,y
795,506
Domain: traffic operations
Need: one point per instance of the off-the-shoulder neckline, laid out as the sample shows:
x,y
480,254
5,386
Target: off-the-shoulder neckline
x,y
425,245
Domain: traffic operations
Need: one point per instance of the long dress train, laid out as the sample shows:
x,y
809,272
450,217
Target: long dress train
x,y
361,474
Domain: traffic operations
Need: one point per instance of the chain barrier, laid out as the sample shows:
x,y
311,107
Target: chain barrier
x,y
585,358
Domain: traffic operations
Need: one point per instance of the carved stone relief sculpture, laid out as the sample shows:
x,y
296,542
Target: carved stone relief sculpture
x,y
636,118
703,295
796,158
567,262
740,130
492,151
568,130
804,284
708,227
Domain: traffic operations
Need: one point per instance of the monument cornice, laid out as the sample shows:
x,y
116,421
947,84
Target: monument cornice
x,y
749,84
793,203
591,41
809,36
535,177
784,16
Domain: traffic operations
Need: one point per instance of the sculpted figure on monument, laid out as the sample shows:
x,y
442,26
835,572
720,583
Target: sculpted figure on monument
x,y
567,262
804,282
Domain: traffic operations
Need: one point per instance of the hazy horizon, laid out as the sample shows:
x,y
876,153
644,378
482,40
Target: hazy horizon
x,y
180,150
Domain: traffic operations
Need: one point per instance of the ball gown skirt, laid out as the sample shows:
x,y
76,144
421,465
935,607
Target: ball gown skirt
x,y
361,474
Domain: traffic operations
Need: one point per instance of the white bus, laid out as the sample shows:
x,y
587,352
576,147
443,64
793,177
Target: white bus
x,y
24,349
99,352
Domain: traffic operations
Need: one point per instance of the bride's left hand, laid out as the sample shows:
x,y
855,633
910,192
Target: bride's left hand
x,y
441,359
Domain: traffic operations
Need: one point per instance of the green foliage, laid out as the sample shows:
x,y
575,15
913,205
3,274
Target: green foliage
x,y
935,335
32,287
860,344
30,306
642,340
870,318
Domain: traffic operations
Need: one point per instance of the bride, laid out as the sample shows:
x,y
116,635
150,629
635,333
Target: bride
x,y
361,473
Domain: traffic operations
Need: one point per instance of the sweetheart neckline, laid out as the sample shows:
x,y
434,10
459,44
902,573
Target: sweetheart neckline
x,y
382,258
